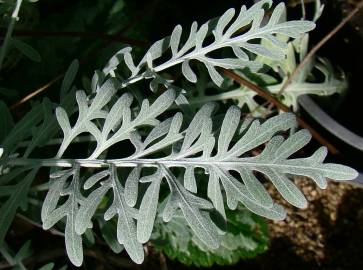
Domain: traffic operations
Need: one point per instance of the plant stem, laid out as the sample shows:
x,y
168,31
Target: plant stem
x,y
37,92
163,264
147,163
280,106
35,224
182,56
13,19
303,10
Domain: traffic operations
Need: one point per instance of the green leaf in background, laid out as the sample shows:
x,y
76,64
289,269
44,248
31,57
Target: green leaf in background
x,y
24,252
18,198
6,92
13,259
117,7
48,266
246,237
69,77
21,129
108,231
26,49
7,122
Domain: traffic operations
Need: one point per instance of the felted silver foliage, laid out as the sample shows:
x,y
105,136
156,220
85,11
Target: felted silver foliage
x,y
226,33
224,156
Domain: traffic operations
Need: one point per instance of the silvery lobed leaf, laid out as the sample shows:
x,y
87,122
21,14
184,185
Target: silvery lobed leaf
x,y
52,212
226,33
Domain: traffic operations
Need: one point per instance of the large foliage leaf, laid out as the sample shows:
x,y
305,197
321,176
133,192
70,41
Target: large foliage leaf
x,y
226,33
222,153
39,125
172,151
52,213
316,77
307,81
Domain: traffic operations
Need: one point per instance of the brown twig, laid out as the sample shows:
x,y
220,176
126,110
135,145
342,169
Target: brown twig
x,y
279,105
37,225
163,263
36,92
60,76
318,46
313,52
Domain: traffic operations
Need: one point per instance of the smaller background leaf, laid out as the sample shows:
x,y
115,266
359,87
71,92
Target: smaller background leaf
x,y
48,266
246,237
26,49
69,77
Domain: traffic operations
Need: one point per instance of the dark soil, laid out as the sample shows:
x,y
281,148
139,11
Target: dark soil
x,y
326,235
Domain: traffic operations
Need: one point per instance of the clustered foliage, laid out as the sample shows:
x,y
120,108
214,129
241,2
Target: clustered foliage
x,y
246,236
184,171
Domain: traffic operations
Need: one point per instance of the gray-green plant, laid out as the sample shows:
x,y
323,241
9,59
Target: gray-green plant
x,y
197,166
304,83
246,236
